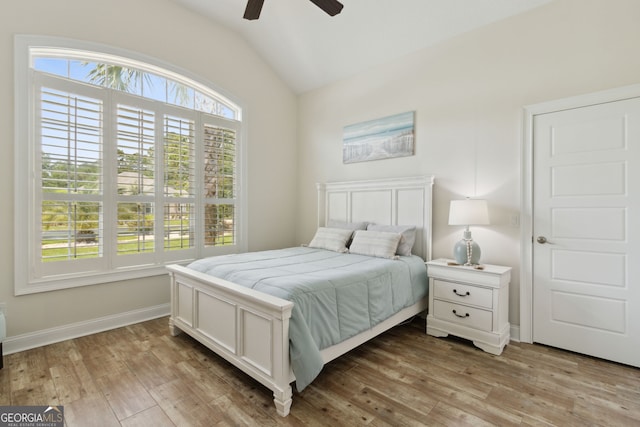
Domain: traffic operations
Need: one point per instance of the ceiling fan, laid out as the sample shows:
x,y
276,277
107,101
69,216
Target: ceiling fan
x,y
332,7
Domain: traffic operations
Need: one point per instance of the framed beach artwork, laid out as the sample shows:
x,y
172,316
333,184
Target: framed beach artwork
x,y
383,138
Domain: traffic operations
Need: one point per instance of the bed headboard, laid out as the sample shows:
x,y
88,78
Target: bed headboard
x,y
393,201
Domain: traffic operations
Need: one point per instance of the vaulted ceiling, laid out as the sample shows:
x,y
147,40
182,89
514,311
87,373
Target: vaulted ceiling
x,y
310,49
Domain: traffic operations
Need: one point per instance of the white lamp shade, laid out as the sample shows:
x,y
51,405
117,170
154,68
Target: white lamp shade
x,y
468,212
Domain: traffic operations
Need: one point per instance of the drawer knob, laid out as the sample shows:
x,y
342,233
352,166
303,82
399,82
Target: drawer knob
x,y
466,294
460,315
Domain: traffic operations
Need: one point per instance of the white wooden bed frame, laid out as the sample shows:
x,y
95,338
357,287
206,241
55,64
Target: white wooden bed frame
x,y
250,329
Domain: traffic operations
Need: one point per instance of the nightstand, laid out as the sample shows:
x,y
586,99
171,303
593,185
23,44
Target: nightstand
x,y
470,303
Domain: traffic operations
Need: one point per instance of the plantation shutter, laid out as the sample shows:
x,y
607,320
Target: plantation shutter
x,y
70,171
179,185
135,141
219,185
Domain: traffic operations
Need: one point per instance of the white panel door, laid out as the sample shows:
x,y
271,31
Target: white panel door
x,y
586,224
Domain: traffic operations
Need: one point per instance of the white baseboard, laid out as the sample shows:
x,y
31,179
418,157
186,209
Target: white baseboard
x,y
61,333
50,336
515,333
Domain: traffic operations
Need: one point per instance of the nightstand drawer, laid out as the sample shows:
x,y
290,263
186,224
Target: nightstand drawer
x,y
463,315
463,294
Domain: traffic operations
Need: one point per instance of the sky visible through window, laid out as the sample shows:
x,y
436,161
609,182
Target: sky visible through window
x,y
136,82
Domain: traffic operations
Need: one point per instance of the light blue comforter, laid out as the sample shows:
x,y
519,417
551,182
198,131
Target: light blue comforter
x,y
335,295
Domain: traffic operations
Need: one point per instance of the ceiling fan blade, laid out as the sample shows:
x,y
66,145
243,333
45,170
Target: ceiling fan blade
x,y
254,7
332,7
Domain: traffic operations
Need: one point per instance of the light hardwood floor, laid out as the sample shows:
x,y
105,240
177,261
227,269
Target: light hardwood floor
x,y
141,376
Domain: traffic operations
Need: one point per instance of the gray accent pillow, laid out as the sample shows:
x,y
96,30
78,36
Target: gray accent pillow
x,y
408,233
347,225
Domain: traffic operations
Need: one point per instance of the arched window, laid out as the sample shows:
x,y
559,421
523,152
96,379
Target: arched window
x,y
127,166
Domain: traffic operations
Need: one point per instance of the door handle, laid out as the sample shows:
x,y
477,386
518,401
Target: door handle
x,y
541,239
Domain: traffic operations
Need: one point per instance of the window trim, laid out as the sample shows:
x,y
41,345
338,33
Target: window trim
x,y
24,160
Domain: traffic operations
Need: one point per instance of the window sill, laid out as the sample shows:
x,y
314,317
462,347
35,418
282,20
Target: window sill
x,y
70,281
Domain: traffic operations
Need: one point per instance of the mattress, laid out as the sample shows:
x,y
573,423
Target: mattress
x,y
335,295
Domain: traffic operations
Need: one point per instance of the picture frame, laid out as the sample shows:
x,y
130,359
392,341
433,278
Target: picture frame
x,y
383,138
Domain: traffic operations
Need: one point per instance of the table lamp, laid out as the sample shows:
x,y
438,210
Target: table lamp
x,y
468,212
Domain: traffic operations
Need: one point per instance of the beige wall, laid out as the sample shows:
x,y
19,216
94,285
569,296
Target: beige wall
x,y
163,30
468,95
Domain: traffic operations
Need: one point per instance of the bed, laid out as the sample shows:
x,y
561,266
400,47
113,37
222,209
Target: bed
x,y
247,314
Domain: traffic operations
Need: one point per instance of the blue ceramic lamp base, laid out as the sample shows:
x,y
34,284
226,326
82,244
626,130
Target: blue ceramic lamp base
x,y
466,251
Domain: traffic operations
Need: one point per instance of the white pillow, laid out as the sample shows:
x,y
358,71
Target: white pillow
x,y
332,223
333,239
407,240
375,243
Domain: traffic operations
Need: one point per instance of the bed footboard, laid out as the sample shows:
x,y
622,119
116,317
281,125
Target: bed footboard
x,y
248,328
